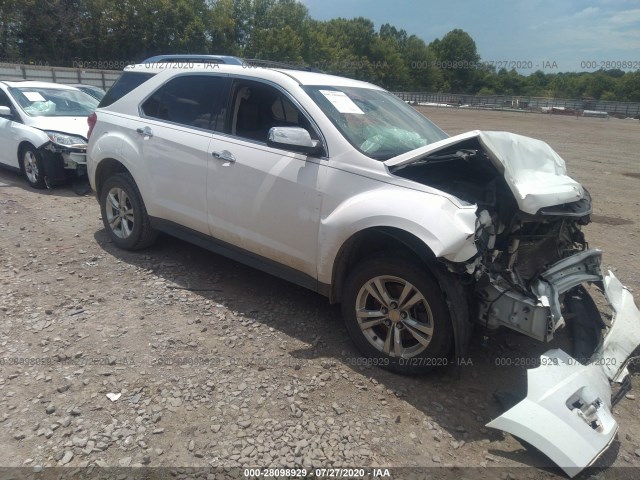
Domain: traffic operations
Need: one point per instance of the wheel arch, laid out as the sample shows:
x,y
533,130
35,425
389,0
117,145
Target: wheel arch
x,y
105,169
21,147
393,242
375,241
30,136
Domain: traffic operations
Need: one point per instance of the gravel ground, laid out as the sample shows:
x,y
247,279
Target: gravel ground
x,y
176,357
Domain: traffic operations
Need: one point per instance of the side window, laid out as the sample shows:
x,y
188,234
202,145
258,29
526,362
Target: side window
x,y
127,82
193,100
4,100
257,107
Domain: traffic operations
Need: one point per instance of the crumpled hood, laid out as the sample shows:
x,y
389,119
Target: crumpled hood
x,y
71,125
534,172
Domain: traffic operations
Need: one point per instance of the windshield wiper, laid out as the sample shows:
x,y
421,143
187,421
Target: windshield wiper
x,y
463,154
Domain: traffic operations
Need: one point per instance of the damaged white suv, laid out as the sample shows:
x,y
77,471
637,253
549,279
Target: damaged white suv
x,y
339,186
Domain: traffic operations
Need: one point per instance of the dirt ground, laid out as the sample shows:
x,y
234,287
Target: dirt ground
x,y
176,357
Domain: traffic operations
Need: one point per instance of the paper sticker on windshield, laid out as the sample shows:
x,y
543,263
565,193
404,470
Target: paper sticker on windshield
x,y
34,97
341,101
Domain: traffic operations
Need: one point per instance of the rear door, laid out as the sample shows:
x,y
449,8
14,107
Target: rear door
x,y
174,133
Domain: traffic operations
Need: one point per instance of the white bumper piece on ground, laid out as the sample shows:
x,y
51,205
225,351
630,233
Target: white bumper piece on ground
x,y
567,412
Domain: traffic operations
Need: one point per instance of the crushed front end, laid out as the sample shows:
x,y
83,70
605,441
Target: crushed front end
x,y
526,265
531,263
530,246
61,160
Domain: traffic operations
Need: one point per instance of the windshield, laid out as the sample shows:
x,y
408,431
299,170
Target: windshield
x,y
54,102
376,122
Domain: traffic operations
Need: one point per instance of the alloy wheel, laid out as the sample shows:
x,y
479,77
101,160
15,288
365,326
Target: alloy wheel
x,y
119,212
31,167
394,316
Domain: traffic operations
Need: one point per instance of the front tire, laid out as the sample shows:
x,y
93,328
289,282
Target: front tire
x,y
124,215
32,166
396,314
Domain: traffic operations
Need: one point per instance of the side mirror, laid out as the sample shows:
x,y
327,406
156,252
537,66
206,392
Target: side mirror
x,y
296,139
5,112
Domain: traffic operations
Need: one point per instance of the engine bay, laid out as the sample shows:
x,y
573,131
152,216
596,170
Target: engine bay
x,y
516,249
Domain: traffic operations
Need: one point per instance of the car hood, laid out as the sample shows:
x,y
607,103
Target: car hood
x,y
71,125
534,172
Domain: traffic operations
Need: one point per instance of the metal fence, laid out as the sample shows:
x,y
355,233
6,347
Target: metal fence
x,y
99,78
106,78
521,103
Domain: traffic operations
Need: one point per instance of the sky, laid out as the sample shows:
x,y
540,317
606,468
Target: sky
x,y
549,35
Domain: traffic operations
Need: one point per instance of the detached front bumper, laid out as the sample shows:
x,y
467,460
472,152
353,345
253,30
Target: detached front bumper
x,y
567,411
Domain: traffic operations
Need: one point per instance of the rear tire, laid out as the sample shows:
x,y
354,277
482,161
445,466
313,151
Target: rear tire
x,y
124,215
396,314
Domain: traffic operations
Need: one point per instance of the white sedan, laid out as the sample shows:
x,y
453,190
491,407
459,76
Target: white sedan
x,y
43,128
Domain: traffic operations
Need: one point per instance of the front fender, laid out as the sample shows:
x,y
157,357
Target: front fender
x,y
447,229
24,134
35,137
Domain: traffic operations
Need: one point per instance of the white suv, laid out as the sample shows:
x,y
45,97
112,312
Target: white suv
x,y
339,186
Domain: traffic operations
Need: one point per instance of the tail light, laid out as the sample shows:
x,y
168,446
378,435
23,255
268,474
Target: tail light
x,y
91,121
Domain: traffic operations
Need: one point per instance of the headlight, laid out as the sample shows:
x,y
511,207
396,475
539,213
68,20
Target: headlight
x,y
64,139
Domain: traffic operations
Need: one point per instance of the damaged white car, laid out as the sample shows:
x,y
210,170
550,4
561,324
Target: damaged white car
x,y
340,187
43,130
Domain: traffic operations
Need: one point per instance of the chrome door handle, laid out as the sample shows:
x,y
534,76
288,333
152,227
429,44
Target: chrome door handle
x,y
145,132
224,155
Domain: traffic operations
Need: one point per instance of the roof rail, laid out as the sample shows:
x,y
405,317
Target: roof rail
x,y
229,60
256,62
192,58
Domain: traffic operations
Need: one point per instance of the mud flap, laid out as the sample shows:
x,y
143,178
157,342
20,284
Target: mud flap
x,y
567,412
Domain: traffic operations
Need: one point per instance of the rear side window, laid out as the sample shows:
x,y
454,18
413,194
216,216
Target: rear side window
x,y
4,100
192,100
127,82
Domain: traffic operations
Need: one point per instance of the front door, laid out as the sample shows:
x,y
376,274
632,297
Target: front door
x,y
263,199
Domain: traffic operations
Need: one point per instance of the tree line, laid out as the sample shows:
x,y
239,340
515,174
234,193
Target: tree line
x,y
112,33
